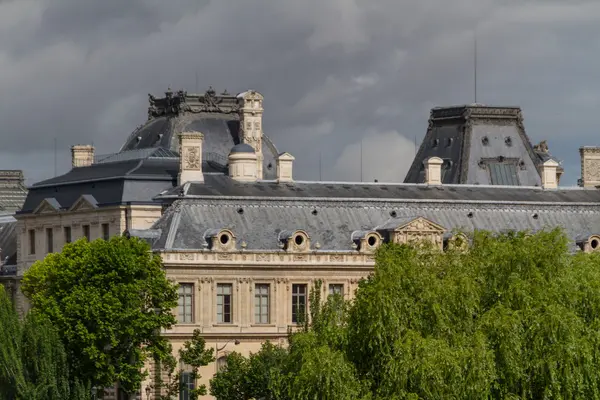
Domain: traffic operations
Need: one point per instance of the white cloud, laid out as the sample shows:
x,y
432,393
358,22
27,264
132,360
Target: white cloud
x,y
386,156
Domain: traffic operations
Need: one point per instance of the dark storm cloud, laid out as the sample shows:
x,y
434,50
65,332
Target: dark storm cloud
x,y
333,72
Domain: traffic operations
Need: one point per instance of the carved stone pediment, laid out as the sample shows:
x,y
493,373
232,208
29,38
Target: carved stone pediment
x,y
84,203
47,206
418,230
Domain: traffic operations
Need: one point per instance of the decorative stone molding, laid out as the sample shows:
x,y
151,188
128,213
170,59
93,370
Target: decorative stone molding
x,y
82,155
590,243
221,240
549,175
285,163
590,166
416,231
456,241
367,241
297,241
190,160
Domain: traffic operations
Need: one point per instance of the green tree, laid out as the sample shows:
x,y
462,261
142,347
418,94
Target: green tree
x,y
108,300
33,361
193,355
516,316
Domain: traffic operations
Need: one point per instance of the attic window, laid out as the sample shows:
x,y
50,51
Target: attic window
x,y
535,216
449,142
594,243
522,165
224,238
508,141
299,240
240,211
502,172
470,214
269,166
393,214
314,212
485,141
436,142
372,241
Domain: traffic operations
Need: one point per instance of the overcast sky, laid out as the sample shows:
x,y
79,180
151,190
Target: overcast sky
x,y
333,72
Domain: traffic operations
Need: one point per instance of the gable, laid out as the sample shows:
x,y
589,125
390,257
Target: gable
x,y
84,203
47,206
420,224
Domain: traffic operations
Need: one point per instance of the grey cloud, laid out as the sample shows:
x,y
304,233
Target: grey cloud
x,y
332,71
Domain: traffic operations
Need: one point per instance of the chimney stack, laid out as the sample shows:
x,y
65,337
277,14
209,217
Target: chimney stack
x,y
251,112
82,155
549,176
433,171
190,157
285,163
590,166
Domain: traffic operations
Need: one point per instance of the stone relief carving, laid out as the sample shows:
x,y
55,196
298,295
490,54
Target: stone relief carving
x,y
592,170
186,257
191,158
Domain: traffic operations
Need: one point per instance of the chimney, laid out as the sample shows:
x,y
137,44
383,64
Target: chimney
x,y
285,165
82,155
251,112
433,171
590,166
242,163
549,176
190,157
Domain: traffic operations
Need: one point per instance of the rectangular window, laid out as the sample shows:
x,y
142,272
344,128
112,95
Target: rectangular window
x,y
186,297
105,232
32,241
86,232
67,231
336,288
503,173
298,303
187,385
49,240
261,303
224,292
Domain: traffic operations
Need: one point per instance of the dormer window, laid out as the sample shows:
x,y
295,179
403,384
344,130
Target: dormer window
x,y
298,241
220,239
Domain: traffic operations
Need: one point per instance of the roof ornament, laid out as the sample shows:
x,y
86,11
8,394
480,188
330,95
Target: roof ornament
x,y
211,101
542,147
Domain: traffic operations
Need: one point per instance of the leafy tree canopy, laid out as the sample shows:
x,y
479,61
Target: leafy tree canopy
x,y
109,300
517,316
33,362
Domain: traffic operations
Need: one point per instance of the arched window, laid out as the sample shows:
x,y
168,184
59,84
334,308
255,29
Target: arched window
x,y
221,362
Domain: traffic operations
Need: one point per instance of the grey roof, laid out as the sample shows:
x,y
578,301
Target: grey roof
x,y
215,115
137,154
332,223
480,145
258,213
8,240
242,148
12,191
222,186
111,183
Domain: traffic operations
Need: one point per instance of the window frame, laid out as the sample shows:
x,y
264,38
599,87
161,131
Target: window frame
x,y
186,384
181,317
105,230
296,297
68,234
49,240
220,286
86,230
335,285
31,238
260,297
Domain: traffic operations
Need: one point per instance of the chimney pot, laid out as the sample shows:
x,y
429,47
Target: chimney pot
x,y
549,177
285,164
433,171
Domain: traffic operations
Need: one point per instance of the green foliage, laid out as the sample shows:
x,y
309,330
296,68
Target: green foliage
x,y
193,355
515,316
109,300
33,362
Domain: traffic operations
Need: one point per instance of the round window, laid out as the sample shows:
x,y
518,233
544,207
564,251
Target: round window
x,y
372,241
224,238
299,240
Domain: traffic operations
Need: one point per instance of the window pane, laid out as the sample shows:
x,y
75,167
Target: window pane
x,y
185,302
261,304
298,302
224,299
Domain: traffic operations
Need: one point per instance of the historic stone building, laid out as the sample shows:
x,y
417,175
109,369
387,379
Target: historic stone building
x,y
12,196
204,185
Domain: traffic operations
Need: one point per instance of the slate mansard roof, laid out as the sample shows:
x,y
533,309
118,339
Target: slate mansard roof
x,y
126,180
331,212
480,145
215,115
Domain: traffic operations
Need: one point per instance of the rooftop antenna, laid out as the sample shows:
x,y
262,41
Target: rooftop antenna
x,y
55,167
320,166
361,159
475,63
